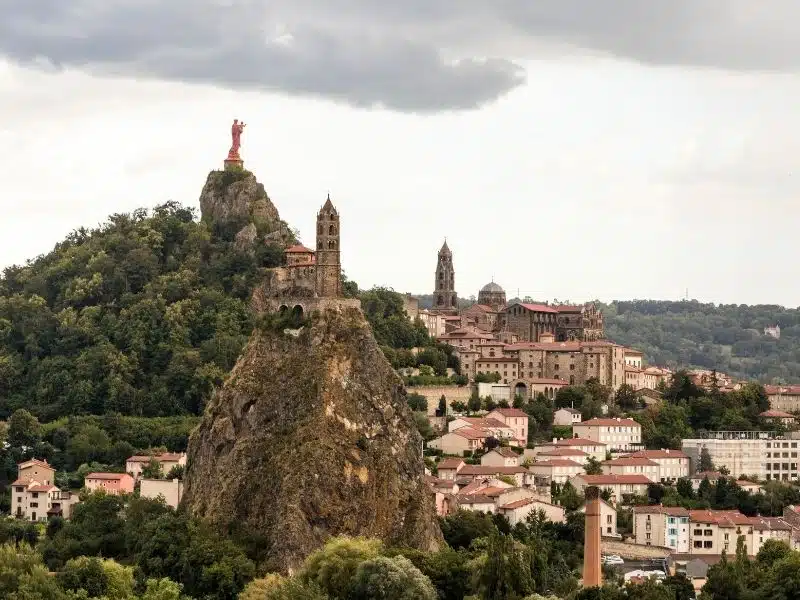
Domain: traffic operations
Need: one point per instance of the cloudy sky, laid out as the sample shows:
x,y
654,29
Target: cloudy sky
x,y
567,149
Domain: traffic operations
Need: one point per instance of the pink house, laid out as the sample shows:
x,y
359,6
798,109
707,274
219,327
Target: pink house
x,y
514,418
111,483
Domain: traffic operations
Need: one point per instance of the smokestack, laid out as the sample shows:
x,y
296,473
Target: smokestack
x,y
592,574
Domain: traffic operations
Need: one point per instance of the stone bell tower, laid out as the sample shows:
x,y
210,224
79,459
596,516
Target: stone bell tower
x,y
445,298
328,266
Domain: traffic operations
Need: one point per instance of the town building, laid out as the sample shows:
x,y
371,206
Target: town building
x,y
608,519
434,322
591,448
448,468
774,332
566,417
759,454
171,490
500,457
516,420
778,417
716,531
558,470
460,442
166,461
492,296
673,464
445,298
617,433
665,526
110,483
784,397
34,495
629,465
618,486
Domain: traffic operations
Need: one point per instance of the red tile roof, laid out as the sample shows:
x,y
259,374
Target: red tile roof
x,y
477,470
776,414
630,461
33,461
24,482
563,452
556,462
510,412
517,504
569,308
577,442
108,476
612,479
663,453
673,511
299,248
450,463
536,307
506,452
485,422
788,390
608,423
42,488
470,433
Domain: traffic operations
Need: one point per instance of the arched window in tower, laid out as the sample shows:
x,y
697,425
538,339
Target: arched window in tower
x,y
332,230
319,245
333,218
440,301
332,244
319,230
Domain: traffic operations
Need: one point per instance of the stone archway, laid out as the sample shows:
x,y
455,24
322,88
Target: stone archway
x,y
521,390
283,308
297,311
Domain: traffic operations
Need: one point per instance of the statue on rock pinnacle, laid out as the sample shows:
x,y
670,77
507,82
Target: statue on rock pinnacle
x,y
234,161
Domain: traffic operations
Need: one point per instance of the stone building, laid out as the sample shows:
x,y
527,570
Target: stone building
x,y
445,298
567,323
310,278
493,296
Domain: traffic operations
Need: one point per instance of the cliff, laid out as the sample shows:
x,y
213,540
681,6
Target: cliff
x,y
311,437
235,200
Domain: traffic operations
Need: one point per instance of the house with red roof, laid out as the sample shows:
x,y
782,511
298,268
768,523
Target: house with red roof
x,y
778,417
165,460
673,464
515,419
110,483
618,433
618,486
34,495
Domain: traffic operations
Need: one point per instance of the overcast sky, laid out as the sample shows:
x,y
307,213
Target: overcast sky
x,y
566,150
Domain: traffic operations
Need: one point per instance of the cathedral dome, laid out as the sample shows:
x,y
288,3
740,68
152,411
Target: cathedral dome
x,y
492,287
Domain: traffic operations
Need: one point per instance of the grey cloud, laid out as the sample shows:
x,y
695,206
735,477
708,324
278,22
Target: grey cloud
x,y
410,55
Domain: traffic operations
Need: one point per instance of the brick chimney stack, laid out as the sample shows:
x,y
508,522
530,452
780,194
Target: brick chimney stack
x,y
592,574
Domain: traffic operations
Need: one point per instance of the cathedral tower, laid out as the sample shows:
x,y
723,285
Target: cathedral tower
x,y
328,267
444,292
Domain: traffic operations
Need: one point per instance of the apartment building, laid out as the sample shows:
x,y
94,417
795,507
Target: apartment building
x,y
783,397
559,470
592,448
760,454
566,417
617,433
618,486
629,465
514,418
715,531
34,497
673,464
665,526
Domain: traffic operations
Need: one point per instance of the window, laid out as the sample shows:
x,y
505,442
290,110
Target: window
x,y
708,544
698,544
698,532
608,519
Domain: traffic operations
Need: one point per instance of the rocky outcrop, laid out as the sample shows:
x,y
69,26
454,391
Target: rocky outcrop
x,y
236,200
311,437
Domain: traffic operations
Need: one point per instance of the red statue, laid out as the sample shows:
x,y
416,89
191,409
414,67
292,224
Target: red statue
x,y
236,138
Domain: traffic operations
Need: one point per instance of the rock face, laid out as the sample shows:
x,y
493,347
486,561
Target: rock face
x,y
311,437
236,199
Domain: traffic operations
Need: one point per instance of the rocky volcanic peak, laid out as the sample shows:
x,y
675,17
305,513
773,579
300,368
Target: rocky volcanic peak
x,y
236,199
311,437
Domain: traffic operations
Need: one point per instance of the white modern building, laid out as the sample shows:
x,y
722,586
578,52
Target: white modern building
x,y
760,454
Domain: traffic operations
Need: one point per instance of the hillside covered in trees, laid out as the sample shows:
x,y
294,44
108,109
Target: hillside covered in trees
x,y
726,337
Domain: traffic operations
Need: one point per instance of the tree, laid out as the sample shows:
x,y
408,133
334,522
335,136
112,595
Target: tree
x,y
333,568
396,578
24,577
23,430
176,472
593,466
152,470
685,488
417,402
461,528
474,403
506,572
627,398
423,425
441,410
706,464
